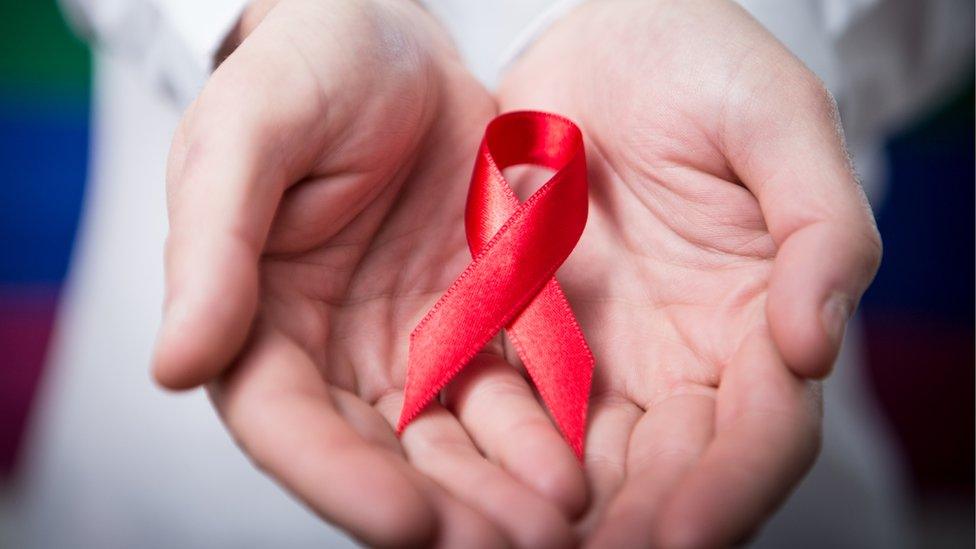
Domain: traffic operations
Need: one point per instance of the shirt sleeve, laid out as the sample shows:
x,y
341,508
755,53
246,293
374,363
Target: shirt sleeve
x,y
172,41
884,60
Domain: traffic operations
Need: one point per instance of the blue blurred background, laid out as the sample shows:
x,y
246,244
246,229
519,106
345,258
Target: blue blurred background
x,y
919,315
44,128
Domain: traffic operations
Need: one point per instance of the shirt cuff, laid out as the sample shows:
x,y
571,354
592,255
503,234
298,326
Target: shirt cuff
x,y
534,30
192,32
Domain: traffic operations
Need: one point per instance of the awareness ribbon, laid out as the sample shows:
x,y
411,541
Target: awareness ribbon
x,y
509,284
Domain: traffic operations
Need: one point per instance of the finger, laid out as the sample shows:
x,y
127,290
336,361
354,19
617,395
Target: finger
x,y
611,421
458,524
237,148
278,408
497,408
315,210
438,446
788,149
767,436
666,442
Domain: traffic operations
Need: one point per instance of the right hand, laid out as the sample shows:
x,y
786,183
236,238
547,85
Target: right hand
x,y
727,243
316,193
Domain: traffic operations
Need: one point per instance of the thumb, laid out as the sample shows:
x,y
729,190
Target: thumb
x,y
237,148
789,151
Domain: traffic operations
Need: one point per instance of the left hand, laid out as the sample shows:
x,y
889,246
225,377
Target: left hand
x,y
727,244
315,196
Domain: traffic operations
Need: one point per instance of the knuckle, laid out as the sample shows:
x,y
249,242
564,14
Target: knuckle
x,y
869,250
876,249
192,137
257,454
176,158
813,94
504,385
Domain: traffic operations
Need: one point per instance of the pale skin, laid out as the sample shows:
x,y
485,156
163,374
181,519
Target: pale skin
x,y
316,193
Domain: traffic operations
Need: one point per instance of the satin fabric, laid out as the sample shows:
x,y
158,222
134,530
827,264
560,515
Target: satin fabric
x,y
517,248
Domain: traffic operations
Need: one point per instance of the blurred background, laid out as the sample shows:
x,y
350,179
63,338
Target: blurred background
x,y
45,75
918,317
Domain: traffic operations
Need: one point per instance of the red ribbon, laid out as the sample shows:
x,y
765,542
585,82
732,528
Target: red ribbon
x,y
517,248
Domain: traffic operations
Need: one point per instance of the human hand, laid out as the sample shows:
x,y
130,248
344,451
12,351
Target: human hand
x,y
727,244
316,194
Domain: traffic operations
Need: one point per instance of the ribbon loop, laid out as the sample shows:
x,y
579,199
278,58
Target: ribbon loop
x,y
517,248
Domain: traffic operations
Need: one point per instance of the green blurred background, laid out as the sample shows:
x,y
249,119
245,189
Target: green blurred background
x,y
45,80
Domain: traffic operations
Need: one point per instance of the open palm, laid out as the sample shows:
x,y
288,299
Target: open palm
x,y
726,246
317,193
317,190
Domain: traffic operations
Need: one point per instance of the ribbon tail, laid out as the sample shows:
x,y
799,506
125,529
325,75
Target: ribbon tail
x,y
557,358
510,284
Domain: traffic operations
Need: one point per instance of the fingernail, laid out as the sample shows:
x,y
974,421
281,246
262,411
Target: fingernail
x,y
836,312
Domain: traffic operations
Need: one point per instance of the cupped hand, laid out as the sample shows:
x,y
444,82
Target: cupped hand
x,y
727,244
316,193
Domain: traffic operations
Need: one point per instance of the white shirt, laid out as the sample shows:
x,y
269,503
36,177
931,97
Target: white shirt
x,y
859,48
